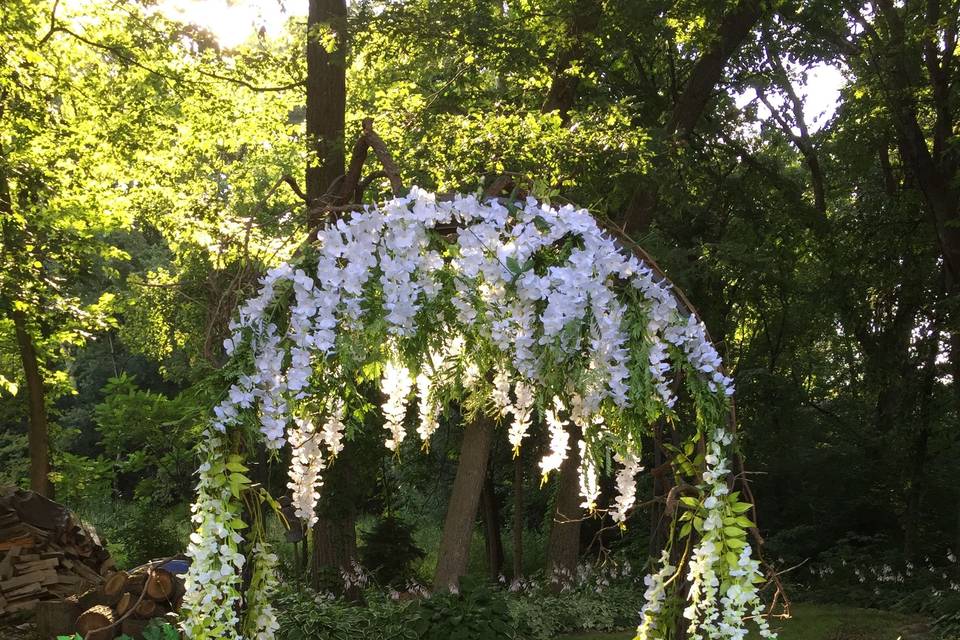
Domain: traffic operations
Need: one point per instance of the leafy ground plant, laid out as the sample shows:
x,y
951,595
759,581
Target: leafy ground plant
x,y
155,630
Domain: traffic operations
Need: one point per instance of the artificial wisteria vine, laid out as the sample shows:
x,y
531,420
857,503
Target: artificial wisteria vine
x,y
424,297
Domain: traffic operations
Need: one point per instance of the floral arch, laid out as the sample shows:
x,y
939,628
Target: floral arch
x,y
507,307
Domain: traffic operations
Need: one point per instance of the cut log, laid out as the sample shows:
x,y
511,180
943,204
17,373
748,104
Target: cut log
x,y
96,623
21,592
161,585
115,585
56,618
46,551
21,568
136,582
6,565
123,605
24,541
90,598
147,609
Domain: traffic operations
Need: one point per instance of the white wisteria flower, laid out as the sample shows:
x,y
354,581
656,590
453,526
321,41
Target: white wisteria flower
x,y
541,294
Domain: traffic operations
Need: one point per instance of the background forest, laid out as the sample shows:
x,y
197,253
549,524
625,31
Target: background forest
x,y
149,174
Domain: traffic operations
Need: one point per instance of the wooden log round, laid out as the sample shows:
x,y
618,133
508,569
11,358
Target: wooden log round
x,y
96,623
147,609
161,585
123,605
137,583
115,586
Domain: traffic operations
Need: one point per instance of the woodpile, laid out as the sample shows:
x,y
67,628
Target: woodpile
x,y
46,552
123,604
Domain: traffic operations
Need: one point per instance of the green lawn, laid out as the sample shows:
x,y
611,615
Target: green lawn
x,y
826,622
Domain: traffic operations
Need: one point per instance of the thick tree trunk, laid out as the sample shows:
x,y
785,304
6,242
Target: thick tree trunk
x,y
334,539
518,518
38,435
326,96
563,545
563,86
491,527
464,498
731,33
335,548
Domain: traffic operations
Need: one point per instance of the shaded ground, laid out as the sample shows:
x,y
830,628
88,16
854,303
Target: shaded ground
x,y
809,622
827,622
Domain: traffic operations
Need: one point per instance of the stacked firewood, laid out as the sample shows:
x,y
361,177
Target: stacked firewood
x,y
46,553
126,603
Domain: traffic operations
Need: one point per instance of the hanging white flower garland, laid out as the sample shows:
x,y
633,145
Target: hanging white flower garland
x,y
550,292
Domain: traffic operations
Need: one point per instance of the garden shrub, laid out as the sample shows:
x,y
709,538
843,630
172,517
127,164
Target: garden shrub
x,y
389,551
540,615
303,615
602,602
476,612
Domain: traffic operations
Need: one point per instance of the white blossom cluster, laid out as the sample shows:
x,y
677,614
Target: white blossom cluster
x,y
626,484
713,613
306,466
261,620
385,263
396,385
653,597
213,581
589,479
559,438
522,409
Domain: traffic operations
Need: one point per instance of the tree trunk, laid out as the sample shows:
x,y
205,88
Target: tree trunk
x,y
464,498
38,435
731,33
563,545
334,539
517,518
919,450
491,527
335,548
563,86
661,488
326,97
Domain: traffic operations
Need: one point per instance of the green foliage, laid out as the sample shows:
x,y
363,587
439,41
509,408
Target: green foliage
x,y
305,616
389,551
543,616
156,629
14,463
79,477
137,532
475,613
151,438
144,533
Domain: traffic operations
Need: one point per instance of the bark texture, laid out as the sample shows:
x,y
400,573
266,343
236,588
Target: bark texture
x,y
326,95
38,433
563,545
731,33
464,498
518,508
490,508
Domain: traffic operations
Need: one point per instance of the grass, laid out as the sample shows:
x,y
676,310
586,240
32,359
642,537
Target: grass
x,y
823,622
